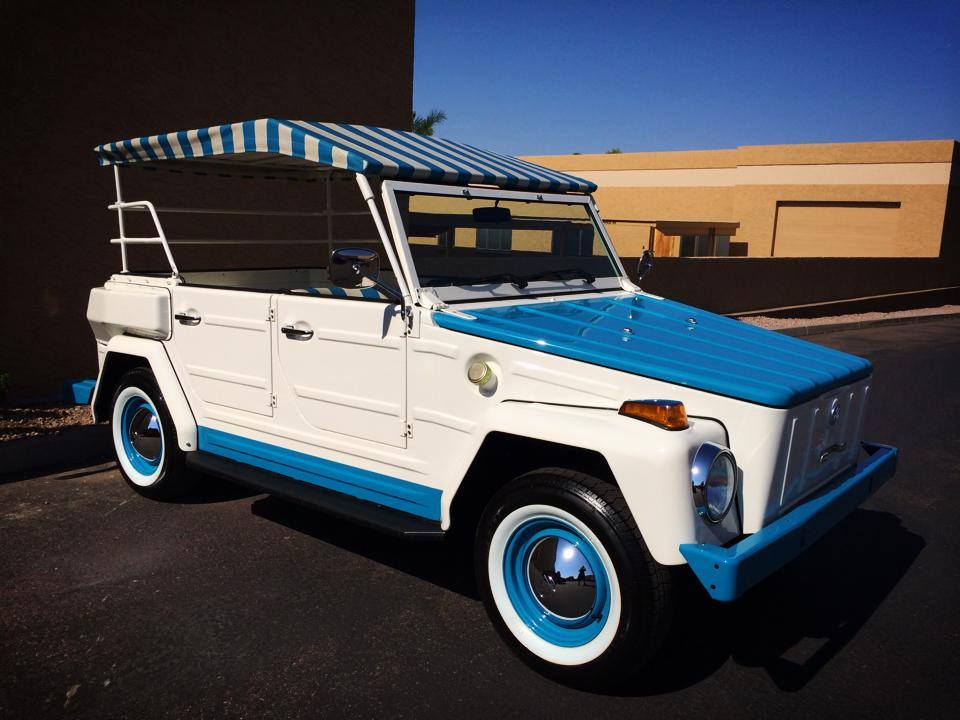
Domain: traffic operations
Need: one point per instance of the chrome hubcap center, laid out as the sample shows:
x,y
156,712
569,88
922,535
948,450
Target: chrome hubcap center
x,y
561,578
145,434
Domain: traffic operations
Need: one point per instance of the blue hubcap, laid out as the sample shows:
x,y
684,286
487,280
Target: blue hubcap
x,y
556,581
142,439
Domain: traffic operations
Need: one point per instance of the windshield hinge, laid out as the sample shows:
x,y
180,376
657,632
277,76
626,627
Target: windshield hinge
x,y
406,314
428,298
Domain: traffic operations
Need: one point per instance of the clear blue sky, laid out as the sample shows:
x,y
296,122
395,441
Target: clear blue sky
x,y
529,77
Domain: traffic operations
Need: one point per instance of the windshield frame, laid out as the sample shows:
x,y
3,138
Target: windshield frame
x,y
471,294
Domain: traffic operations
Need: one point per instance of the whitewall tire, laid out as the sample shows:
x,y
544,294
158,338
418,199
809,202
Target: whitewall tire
x,y
137,436
567,580
548,632
145,439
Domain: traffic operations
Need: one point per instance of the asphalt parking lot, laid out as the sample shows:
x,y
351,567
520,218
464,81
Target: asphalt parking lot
x,y
238,605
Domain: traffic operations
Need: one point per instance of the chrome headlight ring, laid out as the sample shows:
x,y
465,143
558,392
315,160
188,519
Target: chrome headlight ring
x,y
712,463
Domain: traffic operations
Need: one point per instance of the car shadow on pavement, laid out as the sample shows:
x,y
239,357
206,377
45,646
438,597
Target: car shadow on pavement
x,y
213,489
62,471
793,624
447,563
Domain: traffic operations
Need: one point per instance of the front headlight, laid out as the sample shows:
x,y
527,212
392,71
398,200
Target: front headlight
x,y
714,481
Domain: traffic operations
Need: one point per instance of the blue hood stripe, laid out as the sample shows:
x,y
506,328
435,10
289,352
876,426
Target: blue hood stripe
x,y
760,339
692,369
668,341
775,356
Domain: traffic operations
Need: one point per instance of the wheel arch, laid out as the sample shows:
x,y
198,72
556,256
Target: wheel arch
x,y
125,353
504,456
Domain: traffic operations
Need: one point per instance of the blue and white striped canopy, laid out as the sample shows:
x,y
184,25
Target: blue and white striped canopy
x,y
305,145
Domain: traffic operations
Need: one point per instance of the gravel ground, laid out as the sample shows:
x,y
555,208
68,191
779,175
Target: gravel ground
x,y
772,323
40,420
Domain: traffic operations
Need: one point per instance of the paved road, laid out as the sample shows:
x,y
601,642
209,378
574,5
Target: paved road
x,y
246,606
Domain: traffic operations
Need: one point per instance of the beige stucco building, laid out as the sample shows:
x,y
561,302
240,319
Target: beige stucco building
x,y
873,199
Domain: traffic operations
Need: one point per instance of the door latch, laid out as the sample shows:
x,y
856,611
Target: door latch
x,y
838,447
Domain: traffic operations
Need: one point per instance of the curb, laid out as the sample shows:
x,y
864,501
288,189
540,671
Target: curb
x,y
74,447
805,330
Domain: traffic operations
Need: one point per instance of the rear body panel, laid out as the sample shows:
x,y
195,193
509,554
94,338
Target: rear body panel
x,y
120,309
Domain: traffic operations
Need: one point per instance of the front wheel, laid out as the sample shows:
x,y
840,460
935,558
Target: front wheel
x,y
567,579
145,439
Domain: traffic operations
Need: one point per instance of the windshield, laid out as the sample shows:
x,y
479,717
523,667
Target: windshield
x,y
463,247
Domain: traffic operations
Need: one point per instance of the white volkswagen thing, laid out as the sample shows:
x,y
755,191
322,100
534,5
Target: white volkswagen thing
x,y
477,362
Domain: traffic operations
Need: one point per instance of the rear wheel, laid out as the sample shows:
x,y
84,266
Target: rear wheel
x,y
145,439
567,579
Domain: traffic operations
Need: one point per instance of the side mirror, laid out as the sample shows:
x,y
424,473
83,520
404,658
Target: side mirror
x,y
645,265
349,267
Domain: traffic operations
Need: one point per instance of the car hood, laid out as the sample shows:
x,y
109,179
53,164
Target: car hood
x,y
665,340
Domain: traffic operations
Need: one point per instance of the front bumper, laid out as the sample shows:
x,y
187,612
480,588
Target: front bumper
x,y
728,572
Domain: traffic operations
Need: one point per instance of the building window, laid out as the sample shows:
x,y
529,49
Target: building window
x,y
709,245
445,239
494,239
574,240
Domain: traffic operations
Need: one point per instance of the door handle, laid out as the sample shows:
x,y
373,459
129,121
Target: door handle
x,y
296,333
187,319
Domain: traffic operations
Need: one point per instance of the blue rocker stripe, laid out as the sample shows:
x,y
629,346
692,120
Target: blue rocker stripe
x,y
385,490
728,572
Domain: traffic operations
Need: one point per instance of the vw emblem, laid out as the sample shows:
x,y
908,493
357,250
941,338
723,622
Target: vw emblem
x,y
834,411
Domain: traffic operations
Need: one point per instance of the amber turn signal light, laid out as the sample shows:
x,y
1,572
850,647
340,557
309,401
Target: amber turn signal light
x,y
668,414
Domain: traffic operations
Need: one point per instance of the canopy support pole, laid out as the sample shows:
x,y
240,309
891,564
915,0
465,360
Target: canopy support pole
x,y
329,207
123,245
367,193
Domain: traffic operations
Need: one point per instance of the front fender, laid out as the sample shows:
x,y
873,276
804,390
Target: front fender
x,y
651,466
122,347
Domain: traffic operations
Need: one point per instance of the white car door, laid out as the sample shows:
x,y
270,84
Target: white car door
x,y
222,344
342,362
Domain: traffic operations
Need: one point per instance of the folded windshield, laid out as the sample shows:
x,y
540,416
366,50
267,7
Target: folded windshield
x,y
504,247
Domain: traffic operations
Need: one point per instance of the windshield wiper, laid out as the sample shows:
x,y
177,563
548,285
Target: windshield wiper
x,y
563,274
516,280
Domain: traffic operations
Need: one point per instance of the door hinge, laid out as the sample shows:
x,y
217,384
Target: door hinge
x,y
407,430
272,315
273,401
